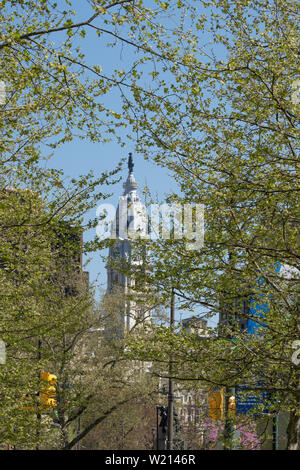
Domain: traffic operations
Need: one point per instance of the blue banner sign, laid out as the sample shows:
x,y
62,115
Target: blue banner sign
x,y
258,307
245,402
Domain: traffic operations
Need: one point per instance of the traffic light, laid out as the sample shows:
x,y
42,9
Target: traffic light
x,y
164,418
47,390
231,405
215,405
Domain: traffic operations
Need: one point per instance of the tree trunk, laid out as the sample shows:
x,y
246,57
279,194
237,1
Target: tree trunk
x,y
293,430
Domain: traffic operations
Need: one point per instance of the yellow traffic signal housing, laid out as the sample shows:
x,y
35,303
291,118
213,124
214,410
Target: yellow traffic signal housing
x,y
231,405
215,405
45,399
48,390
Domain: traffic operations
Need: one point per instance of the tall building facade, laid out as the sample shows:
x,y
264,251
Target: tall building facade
x,y
131,222
235,313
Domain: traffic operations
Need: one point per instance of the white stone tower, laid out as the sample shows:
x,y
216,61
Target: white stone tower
x,y
131,222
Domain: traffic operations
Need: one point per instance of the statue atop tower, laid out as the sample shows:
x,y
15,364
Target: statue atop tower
x,y
130,163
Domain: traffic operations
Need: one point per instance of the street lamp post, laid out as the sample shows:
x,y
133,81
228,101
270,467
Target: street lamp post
x,y
157,408
275,432
228,430
171,383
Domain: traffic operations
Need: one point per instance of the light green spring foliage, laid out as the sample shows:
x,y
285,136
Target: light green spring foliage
x,y
39,271
104,388
220,116
223,117
52,95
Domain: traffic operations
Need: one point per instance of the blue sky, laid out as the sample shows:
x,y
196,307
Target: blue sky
x,y
79,156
